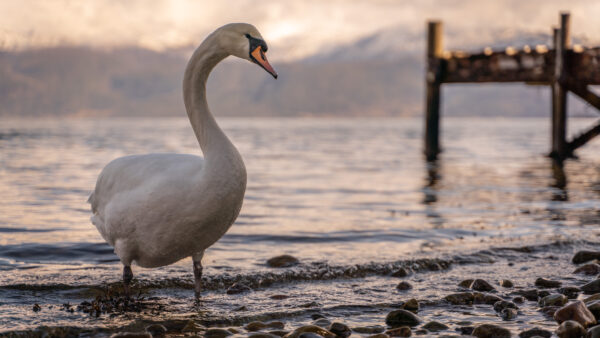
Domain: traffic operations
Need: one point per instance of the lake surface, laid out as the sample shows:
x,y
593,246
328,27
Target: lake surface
x,y
335,193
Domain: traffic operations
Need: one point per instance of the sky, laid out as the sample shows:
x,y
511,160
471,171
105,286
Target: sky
x,y
293,28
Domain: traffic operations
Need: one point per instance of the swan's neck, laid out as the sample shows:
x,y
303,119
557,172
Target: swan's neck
x,y
211,138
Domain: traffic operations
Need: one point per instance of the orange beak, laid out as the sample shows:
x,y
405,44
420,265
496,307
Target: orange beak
x,y
258,56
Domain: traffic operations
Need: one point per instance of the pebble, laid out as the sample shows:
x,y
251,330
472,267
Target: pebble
x,y
490,331
549,310
506,283
535,332
570,329
481,285
238,288
434,326
283,261
279,333
508,314
316,316
553,300
310,329
570,291
518,299
575,311
257,326
547,283
217,332
279,297
592,298
402,286
594,308
503,304
156,330
543,293
322,322
466,283
403,331
485,298
131,335
528,294
465,330
369,329
36,307
594,332
340,329
309,335
411,305
192,326
378,335
262,335
590,269
591,287
584,256
461,298
402,318
402,272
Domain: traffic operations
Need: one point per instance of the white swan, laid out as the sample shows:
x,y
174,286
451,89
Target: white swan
x,y
157,209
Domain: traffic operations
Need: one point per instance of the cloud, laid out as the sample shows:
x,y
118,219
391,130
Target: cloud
x,y
293,28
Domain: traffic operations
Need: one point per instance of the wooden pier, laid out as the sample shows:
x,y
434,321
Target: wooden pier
x,y
564,68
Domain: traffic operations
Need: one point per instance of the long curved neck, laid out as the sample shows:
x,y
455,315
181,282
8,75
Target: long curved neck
x,y
211,138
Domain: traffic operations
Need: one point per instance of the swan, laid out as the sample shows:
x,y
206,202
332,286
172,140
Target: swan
x,y
157,209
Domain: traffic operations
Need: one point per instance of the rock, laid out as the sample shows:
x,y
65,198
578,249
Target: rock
x,y
192,326
411,305
466,283
279,333
585,256
594,332
535,332
263,335
402,272
549,310
570,329
528,294
553,300
369,329
591,287
547,283
434,326
403,331
309,335
461,298
485,298
36,307
217,332
465,330
506,283
316,316
508,314
340,329
403,286
590,269
378,335
310,329
322,322
279,297
594,308
156,330
131,335
481,285
503,304
518,300
575,311
238,288
592,298
283,261
257,326
570,291
402,318
490,331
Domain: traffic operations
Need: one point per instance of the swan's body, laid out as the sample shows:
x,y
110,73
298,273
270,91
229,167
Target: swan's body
x,y
157,209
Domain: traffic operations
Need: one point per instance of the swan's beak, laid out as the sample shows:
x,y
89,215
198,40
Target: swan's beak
x,y
258,56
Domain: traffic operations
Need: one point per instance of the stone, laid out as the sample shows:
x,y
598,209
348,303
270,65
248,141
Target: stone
x,y
234,330
547,283
506,283
508,314
591,287
36,307
309,335
466,283
238,288
481,285
369,329
485,298
594,332
434,326
156,330
590,269
570,291
378,335
279,333
192,326
594,308
322,322
570,329
403,331
535,332
592,298
217,332
575,311
411,305
403,286
528,294
283,261
518,300
465,330
262,335
310,329
402,318
490,331
461,298
549,310
340,329
131,335
402,272
316,316
553,300
257,326
584,256
503,304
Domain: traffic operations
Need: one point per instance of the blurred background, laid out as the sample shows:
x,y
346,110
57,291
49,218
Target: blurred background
x,y
335,58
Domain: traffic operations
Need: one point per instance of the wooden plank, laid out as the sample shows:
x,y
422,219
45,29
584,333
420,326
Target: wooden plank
x,y
584,138
559,92
583,92
432,104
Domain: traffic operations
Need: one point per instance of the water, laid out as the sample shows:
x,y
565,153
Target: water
x,y
351,198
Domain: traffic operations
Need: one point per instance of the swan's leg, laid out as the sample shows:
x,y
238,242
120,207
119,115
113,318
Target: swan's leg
x,y
197,259
127,277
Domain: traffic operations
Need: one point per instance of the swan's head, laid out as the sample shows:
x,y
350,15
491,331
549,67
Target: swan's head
x,y
244,41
